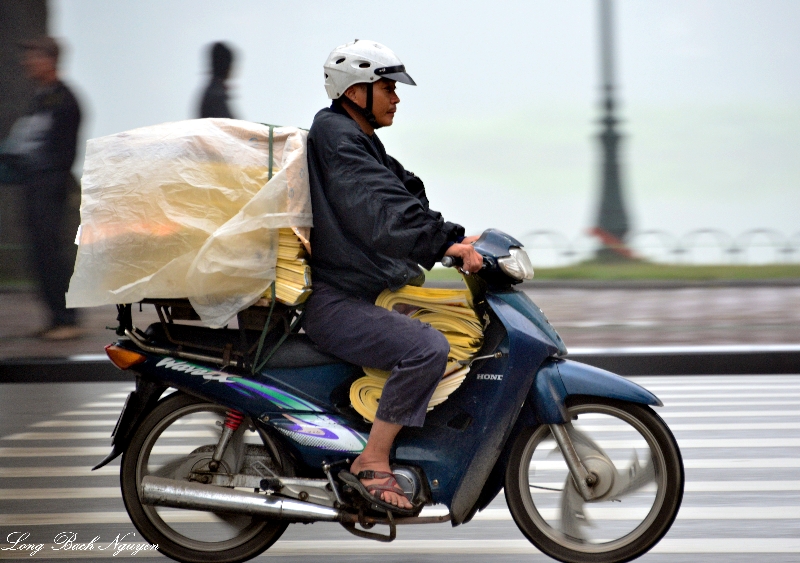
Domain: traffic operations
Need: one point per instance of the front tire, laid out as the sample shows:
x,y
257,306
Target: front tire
x,y
177,429
640,484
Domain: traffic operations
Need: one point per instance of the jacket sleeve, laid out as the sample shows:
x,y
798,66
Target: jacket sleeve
x,y
377,210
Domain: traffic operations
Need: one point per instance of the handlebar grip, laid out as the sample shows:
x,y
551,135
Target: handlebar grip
x,y
451,261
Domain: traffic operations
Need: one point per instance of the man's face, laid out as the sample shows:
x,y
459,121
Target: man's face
x,y
38,65
384,100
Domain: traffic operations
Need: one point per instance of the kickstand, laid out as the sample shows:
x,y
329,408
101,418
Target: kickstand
x,y
351,527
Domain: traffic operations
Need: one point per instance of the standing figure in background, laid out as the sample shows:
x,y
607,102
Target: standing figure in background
x,y
215,96
41,150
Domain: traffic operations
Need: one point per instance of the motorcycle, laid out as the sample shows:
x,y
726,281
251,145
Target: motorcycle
x,y
233,434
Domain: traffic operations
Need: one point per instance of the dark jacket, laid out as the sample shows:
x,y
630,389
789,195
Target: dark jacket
x,y
45,139
372,221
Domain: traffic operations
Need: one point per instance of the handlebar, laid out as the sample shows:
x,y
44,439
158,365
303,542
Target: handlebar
x,y
456,262
451,262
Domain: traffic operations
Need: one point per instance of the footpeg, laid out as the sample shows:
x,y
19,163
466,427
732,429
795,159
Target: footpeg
x,y
351,527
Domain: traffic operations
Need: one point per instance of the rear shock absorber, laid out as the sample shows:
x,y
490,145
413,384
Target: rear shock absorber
x,y
233,419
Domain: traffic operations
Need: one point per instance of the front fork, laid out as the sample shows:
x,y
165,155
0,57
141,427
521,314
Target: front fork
x,y
584,480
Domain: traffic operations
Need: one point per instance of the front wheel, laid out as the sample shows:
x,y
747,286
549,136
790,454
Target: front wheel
x,y
638,491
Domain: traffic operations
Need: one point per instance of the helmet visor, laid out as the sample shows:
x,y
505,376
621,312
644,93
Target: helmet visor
x,y
397,73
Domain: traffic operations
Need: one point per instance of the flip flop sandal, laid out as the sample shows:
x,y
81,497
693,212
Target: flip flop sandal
x,y
368,493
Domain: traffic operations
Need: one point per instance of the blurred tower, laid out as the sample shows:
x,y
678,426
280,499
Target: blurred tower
x,y
612,221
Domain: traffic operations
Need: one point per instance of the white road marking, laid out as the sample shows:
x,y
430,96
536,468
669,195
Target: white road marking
x,y
600,428
288,548
105,434
708,443
60,493
722,394
672,405
66,451
730,386
51,471
735,464
742,463
73,423
91,413
727,414
515,547
615,513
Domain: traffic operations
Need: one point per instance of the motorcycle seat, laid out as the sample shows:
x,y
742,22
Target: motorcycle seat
x,y
295,352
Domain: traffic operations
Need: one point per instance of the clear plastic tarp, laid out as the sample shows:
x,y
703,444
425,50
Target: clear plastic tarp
x,y
188,209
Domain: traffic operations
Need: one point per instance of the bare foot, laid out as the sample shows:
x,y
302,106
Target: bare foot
x,y
397,499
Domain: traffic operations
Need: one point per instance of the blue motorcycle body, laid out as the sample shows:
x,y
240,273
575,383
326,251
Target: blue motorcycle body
x,y
460,449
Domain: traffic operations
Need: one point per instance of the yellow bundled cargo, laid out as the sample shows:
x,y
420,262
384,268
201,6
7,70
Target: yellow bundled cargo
x,y
189,209
447,310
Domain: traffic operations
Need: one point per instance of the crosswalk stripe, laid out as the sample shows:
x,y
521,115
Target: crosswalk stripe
x,y
50,471
655,387
726,414
601,428
739,463
734,464
107,549
696,486
288,548
593,512
73,423
104,434
732,404
60,493
592,428
77,451
721,395
198,421
91,413
708,443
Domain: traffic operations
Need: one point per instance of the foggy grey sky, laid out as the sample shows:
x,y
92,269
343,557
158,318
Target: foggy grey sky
x,y
501,125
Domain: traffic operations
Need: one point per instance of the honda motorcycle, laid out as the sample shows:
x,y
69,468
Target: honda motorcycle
x,y
234,434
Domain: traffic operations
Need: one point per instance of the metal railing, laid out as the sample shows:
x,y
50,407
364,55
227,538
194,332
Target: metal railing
x,y
700,246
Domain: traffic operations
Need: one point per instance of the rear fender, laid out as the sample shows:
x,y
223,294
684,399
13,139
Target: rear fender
x,y
137,406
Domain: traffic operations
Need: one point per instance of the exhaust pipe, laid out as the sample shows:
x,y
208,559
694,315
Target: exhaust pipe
x,y
194,496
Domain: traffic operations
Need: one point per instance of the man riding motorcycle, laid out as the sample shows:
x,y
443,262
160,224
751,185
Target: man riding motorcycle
x,y
372,228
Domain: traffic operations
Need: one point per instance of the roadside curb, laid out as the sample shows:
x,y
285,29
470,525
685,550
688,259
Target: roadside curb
x,y
634,284
644,361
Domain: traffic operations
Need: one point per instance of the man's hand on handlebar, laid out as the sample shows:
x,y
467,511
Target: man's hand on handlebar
x,y
471,261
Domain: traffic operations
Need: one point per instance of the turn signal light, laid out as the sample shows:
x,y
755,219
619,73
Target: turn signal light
x,y
123,358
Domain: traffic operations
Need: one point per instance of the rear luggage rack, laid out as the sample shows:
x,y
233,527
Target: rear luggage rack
x,y
262,329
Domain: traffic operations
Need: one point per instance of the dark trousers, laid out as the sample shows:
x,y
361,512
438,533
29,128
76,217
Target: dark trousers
x,y
52,253
357,331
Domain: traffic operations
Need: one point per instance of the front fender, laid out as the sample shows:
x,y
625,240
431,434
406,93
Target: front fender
x,y
558,379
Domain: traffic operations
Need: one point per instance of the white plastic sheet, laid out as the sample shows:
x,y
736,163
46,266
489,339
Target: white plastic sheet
x,y
187,209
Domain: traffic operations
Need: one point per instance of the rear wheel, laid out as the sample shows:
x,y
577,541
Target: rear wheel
x,y
639,488
179,437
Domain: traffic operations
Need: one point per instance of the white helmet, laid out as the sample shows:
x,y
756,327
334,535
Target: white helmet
x,y
361,61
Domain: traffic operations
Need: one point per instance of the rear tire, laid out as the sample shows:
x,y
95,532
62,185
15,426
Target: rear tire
x,y
187,535
623,528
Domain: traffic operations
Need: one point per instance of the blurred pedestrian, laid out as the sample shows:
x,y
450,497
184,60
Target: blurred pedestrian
x,y
41,150
215,97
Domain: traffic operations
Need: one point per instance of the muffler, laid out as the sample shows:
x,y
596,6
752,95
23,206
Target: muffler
x,y
158,491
